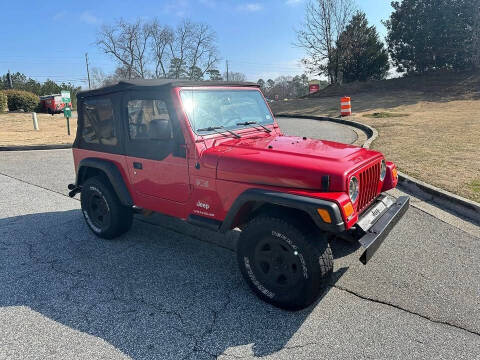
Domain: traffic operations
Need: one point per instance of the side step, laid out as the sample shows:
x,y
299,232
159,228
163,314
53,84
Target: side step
x,y
204,222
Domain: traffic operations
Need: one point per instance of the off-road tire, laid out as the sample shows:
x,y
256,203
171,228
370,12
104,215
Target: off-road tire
x,y
98,197
307,265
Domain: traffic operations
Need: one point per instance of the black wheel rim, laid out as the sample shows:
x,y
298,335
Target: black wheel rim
x,y
98,211
277,264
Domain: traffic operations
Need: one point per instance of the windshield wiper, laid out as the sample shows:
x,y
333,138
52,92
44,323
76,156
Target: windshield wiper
x,y
246,123
216,128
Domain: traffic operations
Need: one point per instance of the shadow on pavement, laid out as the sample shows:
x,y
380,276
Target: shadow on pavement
x,y
155,292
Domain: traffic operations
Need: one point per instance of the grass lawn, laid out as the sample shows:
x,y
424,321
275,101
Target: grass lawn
x,y
17,129
432,137
383,115
429,126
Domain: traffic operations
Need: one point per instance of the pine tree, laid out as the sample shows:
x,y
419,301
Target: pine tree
x,y
362,55
425,35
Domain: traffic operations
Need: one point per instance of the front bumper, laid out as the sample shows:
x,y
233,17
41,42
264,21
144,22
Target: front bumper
x,y
377,223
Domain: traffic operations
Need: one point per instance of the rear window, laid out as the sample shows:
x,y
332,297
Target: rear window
x,y
98,125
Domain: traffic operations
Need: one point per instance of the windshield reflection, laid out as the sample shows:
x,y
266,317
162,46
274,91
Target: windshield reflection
x,y
224,108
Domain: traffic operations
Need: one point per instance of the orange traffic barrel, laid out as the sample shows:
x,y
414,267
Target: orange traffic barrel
x,y
345,106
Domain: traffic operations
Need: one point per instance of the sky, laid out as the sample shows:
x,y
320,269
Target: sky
x,y
49,39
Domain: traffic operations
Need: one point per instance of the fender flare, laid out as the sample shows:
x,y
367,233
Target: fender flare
x,y
307,204
111,171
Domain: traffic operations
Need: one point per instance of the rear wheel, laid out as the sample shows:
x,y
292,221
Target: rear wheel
x,y
103,212
285,264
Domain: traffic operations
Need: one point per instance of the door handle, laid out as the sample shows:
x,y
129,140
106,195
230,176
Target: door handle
x,y
137,165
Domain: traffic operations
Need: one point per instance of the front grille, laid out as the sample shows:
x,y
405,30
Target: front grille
x,y
368,181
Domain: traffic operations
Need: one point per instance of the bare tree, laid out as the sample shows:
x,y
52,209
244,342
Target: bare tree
x,y
127,43
98,77
188,51
162,40
192,50
203,54
235,76
324,21
179,50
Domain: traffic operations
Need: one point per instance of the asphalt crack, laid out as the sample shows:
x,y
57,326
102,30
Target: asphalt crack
x,y
405,310
198,348
36,185
197,340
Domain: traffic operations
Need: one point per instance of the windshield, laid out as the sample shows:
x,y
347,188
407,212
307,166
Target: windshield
x,y
224,108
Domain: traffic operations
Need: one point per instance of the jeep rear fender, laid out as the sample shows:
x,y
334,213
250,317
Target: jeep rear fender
x,y
253,198
112,173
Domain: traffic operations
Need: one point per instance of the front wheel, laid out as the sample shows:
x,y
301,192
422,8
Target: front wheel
x,y
103,211
284,264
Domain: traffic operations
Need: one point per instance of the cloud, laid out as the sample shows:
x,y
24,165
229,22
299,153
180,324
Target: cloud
x,y
293,2
178,8
250,7
59,15
89,18
208,3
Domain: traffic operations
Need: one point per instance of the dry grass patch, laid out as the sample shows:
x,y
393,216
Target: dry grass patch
x,y
437,141
17,129
383,115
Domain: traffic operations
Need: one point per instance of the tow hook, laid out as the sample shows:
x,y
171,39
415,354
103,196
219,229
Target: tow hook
x,y
74,190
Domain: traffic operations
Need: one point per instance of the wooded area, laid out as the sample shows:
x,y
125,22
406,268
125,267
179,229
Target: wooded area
x,y
423,36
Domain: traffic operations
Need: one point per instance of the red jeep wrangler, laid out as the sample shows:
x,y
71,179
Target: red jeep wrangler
x,y
212,154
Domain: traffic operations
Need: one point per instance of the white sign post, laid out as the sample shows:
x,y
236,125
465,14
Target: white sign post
x,y
35,121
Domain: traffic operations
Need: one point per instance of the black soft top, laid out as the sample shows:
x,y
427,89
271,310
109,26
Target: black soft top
x,y
159,83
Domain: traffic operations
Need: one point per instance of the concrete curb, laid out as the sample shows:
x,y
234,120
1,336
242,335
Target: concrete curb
x,y
372,133
35,147
448,201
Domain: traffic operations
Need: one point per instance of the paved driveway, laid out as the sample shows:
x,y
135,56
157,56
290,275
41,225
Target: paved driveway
x,y
168,290
318,129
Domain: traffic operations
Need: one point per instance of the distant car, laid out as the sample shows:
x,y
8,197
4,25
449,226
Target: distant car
x,y
52,104
213,155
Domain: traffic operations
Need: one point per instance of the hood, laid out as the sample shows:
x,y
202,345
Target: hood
x,y
288,161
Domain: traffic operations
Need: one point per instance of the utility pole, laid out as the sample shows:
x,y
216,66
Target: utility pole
x,y
88,72
227,69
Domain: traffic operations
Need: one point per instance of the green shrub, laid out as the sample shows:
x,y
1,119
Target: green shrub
x,y
3,102
19,99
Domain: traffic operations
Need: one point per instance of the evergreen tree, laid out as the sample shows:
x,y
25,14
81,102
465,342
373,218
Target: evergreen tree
x,y
362,55
261,83
426,35
214,75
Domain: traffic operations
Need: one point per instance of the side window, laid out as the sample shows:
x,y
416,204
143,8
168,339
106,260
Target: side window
x,y
147,118
98,122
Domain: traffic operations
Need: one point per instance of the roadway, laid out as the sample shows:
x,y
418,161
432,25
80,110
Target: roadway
x,y
169,290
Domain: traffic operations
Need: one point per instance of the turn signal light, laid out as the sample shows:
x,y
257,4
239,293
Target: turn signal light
x,y
348,209
325,215
395,173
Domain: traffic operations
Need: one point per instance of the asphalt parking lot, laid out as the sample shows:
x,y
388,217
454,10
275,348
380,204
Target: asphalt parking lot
x,y
167,290
318,129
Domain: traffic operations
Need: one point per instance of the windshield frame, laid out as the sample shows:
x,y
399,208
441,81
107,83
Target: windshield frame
x,y
224,132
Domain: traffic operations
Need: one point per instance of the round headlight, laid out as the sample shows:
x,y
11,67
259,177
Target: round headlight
x,y
383,170
353,189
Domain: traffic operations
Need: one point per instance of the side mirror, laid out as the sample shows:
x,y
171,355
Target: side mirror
x,y
159,129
